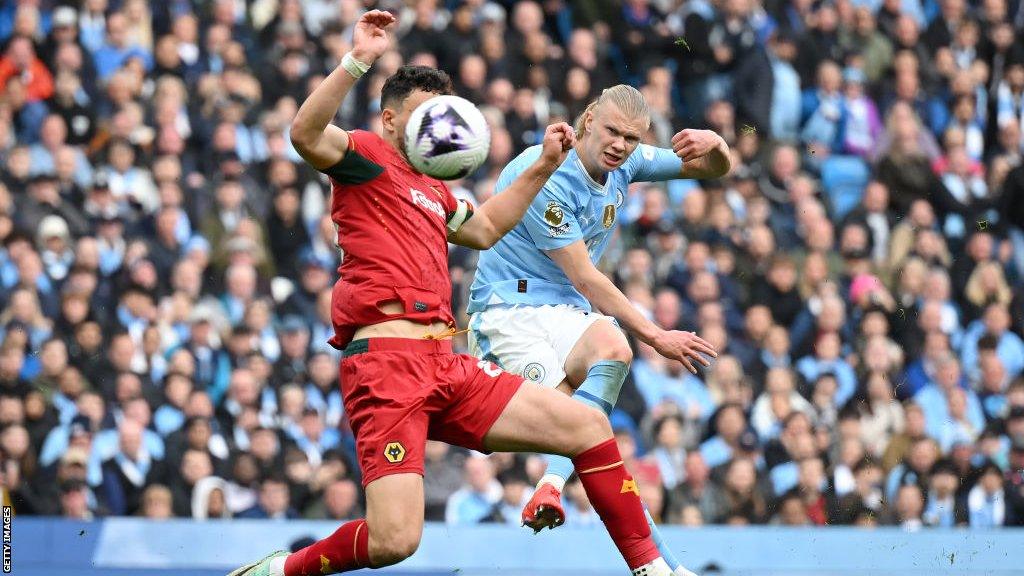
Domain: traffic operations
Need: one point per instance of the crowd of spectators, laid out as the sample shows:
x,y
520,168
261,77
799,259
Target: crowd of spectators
x,y
167,258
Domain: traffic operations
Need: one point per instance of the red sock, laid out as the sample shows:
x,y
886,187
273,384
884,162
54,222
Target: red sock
x,y
616,499
346,549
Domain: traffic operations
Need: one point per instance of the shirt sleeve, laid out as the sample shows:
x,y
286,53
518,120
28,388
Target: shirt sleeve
x,y
551,220
651,164
360,163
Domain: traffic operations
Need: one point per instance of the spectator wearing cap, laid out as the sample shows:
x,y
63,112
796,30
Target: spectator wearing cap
x,y
44,199
312,436
986,502
294,336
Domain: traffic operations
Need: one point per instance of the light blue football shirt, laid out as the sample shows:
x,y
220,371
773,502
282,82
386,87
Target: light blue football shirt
x,y
570,207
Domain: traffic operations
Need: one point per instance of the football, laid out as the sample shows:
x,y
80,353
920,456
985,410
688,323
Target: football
x,y
447,137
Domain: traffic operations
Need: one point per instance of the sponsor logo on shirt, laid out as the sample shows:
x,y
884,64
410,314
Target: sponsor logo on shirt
x,y
421,199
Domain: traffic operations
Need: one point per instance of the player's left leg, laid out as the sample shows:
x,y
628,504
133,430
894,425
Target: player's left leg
x,y
540,419
598,363
595,368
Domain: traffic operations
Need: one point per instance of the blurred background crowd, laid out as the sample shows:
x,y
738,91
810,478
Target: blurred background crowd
x,y
167,258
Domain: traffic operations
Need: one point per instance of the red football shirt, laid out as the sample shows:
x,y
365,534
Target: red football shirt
x,y
391,223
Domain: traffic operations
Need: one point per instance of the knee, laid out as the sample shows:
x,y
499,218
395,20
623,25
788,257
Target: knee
x,y
592,429
620,352
615,348
392,547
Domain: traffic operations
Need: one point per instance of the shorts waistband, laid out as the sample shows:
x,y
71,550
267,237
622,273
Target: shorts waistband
x,y
417,345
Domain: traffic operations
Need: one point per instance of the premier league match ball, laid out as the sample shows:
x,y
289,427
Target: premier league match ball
x,y
447,138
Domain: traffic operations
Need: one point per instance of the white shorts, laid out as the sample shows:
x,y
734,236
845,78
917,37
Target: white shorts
x,y
532,341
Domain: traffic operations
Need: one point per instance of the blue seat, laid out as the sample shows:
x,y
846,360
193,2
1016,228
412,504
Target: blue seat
x,y
844,179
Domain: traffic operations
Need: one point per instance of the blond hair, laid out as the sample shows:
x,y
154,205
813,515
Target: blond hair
x,y
627,99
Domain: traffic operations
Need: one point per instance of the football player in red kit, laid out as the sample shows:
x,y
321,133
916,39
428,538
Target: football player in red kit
x,y
401,382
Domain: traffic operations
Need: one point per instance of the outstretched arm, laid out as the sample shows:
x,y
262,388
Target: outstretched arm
x,y
601,291
319,142
495,217
705,154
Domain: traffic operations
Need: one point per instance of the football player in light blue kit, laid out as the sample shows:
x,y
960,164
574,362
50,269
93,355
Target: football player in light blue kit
x,y
530,303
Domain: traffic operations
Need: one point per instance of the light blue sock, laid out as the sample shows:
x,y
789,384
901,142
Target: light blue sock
x,y
601,390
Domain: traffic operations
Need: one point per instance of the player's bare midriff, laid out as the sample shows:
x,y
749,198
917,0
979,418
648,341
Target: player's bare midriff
x,y
399,328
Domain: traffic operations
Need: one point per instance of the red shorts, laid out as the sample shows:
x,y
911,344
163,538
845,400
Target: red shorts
x,y
400,392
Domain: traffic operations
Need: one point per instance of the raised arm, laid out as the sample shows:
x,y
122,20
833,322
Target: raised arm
x,y
318,141
705,154
601,291
495,217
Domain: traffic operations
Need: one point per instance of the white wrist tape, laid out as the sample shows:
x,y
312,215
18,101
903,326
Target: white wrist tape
x,y
459,217
353,66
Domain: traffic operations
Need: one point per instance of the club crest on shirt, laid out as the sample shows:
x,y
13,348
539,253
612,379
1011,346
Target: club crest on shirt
x,y
609,216
554,214
534,372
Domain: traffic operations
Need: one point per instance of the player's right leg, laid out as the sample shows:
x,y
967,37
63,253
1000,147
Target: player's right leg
x,y
540,419
390,533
